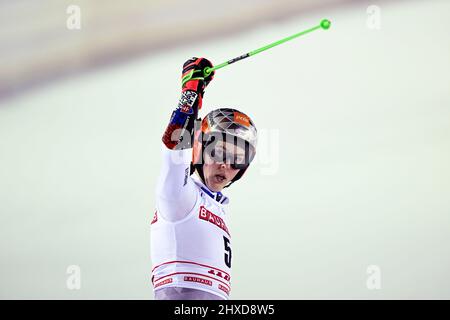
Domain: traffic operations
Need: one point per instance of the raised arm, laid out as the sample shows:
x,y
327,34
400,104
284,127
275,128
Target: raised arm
x,y
176,193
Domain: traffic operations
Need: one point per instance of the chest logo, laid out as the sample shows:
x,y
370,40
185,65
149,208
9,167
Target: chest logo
x,y
207,215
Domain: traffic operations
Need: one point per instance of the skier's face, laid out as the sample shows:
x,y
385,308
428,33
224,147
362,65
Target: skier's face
x,y
219,173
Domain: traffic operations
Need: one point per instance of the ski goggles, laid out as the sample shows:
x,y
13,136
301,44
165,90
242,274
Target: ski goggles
x,y
237,161
235,151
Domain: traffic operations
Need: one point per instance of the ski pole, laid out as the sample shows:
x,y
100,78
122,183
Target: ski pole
x,y
324,24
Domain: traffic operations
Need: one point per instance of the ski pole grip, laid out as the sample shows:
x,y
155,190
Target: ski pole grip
x,y
207,71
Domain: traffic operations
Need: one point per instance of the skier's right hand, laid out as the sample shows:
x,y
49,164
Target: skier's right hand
x,y
193,68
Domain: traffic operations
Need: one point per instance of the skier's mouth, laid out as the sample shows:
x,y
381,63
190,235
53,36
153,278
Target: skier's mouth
x,y
219,178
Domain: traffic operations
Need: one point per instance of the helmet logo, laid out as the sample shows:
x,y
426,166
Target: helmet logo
x,y
241,119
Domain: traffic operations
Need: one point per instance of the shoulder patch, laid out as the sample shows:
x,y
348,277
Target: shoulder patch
x,y
155,218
